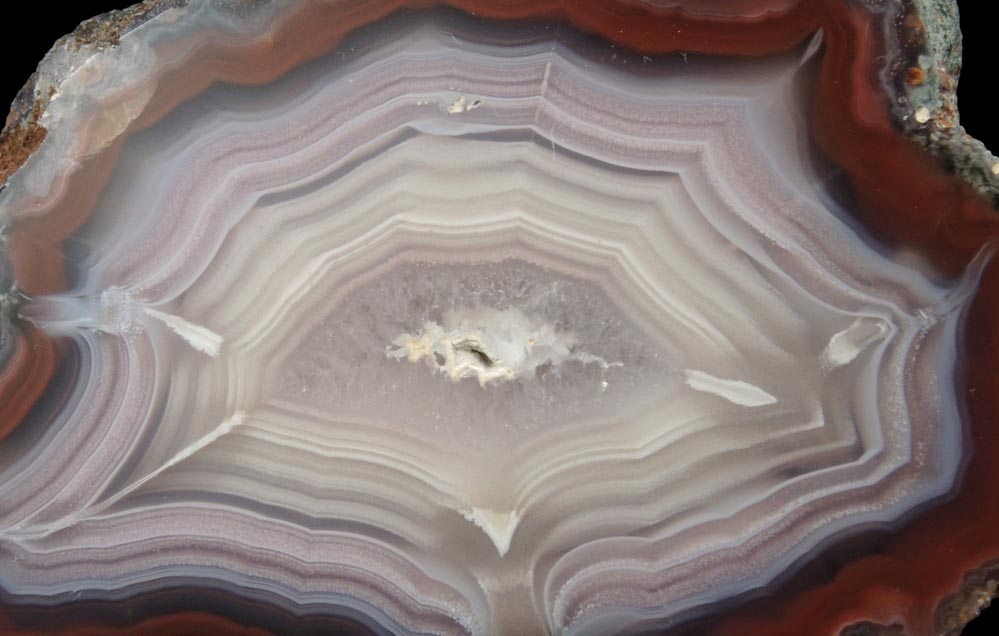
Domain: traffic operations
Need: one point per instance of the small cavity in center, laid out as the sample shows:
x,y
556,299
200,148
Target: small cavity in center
x,y
491,345
478,353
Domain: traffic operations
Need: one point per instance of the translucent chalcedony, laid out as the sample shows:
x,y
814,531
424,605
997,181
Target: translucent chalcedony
x,y
494,318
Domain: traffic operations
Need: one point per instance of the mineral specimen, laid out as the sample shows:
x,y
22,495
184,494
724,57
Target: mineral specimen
x,y
497,317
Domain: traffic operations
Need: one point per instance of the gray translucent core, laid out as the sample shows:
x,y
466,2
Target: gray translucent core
x,y
342,367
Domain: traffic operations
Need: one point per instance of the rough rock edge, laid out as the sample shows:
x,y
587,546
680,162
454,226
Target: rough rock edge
x,y
941,134
953,613
978,588
937,128
22,134
938,55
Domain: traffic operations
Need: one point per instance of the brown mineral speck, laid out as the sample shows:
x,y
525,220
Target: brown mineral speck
x,y
914,76
914,29
107,29
22,132
21,135
946,117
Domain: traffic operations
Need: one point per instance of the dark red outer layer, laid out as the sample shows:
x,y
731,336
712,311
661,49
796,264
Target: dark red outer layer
x,y
905,197
178,624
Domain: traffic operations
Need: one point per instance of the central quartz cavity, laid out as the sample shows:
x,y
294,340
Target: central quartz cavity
x,y
491,345
460,349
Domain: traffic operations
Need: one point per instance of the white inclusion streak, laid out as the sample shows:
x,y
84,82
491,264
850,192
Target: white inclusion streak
x,y
959,296
541,104
226,427
498,526
846,345
813,48
735,391
544,81
201,338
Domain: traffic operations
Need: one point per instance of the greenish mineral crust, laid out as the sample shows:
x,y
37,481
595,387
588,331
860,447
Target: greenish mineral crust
x,y
926,107
944,34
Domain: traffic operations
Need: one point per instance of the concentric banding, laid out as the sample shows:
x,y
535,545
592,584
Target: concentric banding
x,y
759,377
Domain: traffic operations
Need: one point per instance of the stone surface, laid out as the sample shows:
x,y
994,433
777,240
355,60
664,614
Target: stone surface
x,y
498,318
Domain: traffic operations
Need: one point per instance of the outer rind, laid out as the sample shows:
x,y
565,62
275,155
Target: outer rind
x,y
978,589
929,33
22,132
936,50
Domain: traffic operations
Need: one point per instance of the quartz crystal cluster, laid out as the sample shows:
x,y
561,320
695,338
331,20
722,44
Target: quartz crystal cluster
x,y
494,318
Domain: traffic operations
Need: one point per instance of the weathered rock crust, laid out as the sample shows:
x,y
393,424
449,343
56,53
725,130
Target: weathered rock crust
x,y
22,132
926,104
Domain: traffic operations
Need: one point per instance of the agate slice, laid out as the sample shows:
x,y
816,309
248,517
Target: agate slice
x,y
498,318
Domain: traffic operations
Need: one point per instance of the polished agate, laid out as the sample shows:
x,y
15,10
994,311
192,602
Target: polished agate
x,y
434,324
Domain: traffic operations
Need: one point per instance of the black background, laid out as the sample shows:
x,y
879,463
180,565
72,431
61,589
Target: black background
x,y
40,24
